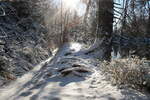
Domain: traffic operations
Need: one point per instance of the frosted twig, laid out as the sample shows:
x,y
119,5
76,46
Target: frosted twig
x,y
3,11
3,32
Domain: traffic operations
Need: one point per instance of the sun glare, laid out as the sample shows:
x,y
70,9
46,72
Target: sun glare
x,y
71,4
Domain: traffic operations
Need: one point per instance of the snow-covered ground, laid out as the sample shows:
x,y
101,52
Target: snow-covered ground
x,y
45,82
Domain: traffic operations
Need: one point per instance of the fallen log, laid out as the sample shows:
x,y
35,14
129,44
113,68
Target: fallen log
x,y
73,70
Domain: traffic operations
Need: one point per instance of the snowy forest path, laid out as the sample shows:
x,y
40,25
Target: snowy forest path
x,y
46,82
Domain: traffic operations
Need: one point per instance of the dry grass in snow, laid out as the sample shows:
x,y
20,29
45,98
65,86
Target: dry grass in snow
x,y
131,72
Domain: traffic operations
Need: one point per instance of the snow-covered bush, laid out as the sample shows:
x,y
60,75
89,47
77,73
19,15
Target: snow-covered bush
x,y
22,40
131,72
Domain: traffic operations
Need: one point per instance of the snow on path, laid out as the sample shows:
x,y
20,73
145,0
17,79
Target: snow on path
x,y
93,87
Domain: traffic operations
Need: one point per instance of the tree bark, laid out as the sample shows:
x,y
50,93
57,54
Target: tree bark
x,y
105,25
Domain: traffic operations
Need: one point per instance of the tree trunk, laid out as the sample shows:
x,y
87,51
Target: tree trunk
x,y
102,46
148,24
87,10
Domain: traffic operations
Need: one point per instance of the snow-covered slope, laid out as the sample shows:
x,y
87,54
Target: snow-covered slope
x,y
22,41
67,76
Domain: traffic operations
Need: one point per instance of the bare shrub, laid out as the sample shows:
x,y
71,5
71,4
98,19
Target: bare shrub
x,y
132,72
